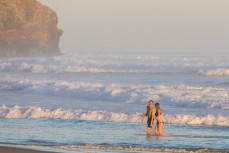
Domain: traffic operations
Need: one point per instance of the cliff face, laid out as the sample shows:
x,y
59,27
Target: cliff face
x,y
28,28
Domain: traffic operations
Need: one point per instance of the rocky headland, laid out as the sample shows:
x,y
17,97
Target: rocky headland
x,y
28,28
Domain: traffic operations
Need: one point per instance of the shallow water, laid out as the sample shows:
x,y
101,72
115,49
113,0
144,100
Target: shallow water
x,y
95,102
99,135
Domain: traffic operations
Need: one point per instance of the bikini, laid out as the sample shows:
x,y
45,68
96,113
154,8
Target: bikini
x,y
156,114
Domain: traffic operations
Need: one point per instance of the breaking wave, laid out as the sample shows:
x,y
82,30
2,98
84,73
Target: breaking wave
x,y
39,68
113,64
182,95
216,72
104,115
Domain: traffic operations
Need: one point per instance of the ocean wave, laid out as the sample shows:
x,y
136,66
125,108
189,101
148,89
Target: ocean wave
x,y
110,64
77,64
215,72
182,95
104,115
80,68
39,68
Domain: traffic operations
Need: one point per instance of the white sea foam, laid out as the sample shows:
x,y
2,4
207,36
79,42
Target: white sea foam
x,y
213,120
137,148
104,115
40,68
182,95
128,148
112,64
215,72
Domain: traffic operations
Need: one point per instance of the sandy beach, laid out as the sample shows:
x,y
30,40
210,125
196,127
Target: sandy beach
x,y
19,150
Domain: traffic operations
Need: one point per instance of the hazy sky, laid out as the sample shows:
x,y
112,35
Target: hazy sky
x,y
149,26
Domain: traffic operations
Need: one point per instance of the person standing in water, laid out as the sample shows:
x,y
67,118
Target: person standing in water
x,y
160,123
150,117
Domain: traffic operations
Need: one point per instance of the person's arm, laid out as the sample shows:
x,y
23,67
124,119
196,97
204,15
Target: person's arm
x,y
143,118
146,114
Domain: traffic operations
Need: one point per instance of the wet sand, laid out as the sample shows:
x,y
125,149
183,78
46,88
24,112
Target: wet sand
x,y
20,150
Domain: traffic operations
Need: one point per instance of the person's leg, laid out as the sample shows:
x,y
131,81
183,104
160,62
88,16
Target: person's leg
x,y
161,130
152,131
156,129
149,128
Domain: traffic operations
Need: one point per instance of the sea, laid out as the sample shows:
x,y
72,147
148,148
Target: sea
x,y
94,102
